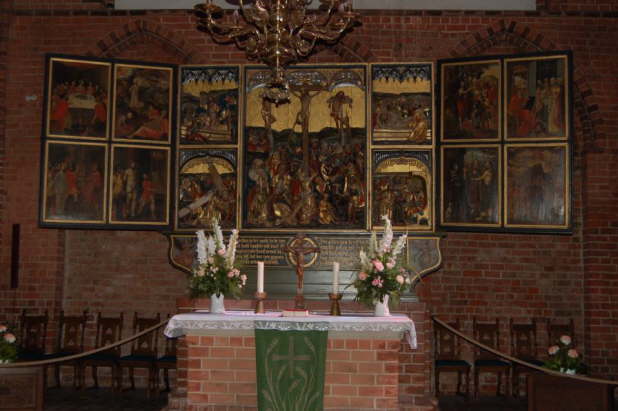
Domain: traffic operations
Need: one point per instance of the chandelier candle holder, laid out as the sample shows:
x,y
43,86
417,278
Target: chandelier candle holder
x,y
277,33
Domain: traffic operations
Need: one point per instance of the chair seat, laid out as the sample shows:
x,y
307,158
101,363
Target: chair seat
x,y
491,363
138,358
101,356
452,363
532,361
30,356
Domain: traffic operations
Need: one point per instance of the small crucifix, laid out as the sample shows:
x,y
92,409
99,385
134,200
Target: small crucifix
x,y
296,250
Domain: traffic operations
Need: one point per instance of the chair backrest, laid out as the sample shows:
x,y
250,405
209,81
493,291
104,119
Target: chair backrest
x,y
446,344
488,334
523,340
33,330
146,344
109,330
555,331
71,331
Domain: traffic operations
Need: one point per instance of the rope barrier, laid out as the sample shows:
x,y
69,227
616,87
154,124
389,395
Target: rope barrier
x,y
517,360
83,354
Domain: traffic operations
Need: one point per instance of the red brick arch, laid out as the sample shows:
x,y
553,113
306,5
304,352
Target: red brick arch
x,y
526,39
141,31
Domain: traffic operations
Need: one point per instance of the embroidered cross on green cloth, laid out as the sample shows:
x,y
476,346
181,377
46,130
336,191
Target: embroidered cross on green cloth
x,y
290,362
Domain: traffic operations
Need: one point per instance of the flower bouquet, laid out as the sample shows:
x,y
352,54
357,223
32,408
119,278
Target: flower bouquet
x,y
381,275
215,273
564,358
8,348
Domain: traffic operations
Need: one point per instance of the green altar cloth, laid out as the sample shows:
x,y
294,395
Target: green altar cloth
x,y
290,364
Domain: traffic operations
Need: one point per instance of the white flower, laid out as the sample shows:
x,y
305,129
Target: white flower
x,y
230,255
553,349
243,278
3,328
565,339
400,245
210,246
202,254
373,245
216,228
400,279
365,261
387,237
221,252
573,353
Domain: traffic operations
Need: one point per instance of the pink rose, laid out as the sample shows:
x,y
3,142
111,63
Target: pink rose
x,y
236,272
390,265
573,353
200,272
10,338
243,278
378,265
230,274
553,350
2,328
377,282
400,279
565,339
362,276
221,251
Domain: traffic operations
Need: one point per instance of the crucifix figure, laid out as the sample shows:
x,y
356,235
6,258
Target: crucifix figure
x,y
296,250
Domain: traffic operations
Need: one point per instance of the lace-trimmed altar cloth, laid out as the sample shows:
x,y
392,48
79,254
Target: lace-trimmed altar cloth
x,y
181,324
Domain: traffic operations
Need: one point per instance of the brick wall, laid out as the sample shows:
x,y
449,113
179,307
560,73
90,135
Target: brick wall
x,y
486,275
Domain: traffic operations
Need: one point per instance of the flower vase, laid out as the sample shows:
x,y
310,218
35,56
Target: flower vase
x,y
381,308
216,304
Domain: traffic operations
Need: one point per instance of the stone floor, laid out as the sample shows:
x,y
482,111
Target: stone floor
x,y
102,399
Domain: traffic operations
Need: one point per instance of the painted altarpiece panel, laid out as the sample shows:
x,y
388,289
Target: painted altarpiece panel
x,y
207,181
537,96
470,101
305,162
140,185
78,95
471,186
74,183
209,105
402,189
537,186
142,103
402,103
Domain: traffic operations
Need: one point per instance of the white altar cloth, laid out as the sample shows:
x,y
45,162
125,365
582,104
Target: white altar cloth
x,y
182,324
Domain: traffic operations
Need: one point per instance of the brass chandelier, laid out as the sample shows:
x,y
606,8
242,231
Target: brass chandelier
x,y
277,32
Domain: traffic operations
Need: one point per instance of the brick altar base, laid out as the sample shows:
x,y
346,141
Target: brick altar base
x,y
363,372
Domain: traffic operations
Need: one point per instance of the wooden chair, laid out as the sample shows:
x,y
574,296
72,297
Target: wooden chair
x,y
143,352
489,334
167,361
523,347
70,341
555,331
109,330
33,331
448,357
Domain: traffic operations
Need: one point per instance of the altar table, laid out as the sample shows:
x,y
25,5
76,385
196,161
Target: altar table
x,y
362,359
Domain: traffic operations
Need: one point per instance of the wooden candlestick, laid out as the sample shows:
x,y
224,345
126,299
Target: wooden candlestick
x,y
334,303
259,302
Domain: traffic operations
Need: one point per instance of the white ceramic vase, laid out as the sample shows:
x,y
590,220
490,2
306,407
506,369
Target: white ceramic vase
x,y
381,308
216,304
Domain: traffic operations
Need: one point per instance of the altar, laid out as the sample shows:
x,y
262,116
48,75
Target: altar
x,y
367,362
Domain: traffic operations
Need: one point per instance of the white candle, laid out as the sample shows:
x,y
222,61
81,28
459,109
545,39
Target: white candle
x,y
260,277
335,277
